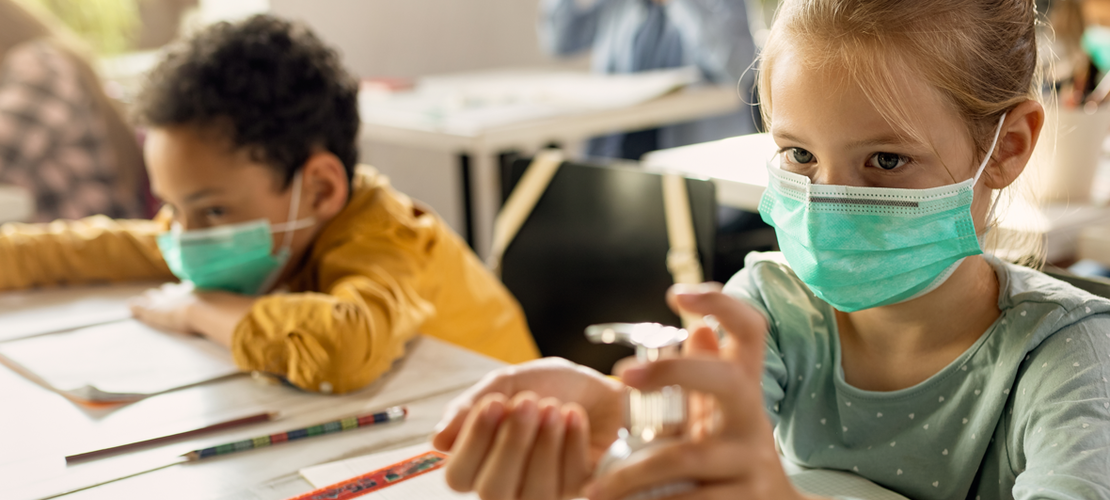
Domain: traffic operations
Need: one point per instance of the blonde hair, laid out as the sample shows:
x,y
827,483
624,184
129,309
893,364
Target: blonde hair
x,y
979,55
21,23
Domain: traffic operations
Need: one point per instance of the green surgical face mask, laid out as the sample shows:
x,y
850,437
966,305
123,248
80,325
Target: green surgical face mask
x,y
862,247
235,258
1096,42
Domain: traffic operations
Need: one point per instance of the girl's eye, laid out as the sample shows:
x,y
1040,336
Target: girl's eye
x,y
886,161
799,155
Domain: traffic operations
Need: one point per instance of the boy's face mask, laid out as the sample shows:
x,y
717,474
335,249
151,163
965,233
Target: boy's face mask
x,y
863,247
1096,42
235,258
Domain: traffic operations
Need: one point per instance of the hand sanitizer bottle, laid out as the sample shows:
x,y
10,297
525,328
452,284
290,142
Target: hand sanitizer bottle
x,y
651,418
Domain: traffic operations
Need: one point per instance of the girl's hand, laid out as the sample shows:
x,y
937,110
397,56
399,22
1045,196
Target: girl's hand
x,y
533,430
731,451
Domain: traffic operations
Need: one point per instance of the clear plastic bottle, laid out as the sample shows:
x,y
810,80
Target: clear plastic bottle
x,y
651,418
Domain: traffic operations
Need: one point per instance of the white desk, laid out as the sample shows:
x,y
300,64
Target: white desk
x,y
41,427
16,204
528,127
737,166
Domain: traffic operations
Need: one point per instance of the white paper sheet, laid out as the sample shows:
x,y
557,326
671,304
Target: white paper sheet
x,y
119,361
35,312
835,484
470,103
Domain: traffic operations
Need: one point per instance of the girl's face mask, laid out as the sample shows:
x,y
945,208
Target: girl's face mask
x,y
235,258
863,247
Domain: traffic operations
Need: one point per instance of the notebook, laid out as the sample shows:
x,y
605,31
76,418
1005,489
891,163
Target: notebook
x,y
433,485
117,362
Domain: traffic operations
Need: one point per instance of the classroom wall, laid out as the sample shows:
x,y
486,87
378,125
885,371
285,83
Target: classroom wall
x,y
412,38
409,38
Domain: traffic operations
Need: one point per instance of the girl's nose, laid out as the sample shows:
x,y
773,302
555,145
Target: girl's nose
x,y
837,174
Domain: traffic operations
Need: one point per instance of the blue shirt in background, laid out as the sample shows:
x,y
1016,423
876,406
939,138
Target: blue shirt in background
x,y
628,36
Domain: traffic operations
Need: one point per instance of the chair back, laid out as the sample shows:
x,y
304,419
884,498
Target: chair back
x,y
594,250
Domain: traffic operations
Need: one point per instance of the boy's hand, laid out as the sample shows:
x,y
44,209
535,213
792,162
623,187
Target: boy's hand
x,y
179,308
166,307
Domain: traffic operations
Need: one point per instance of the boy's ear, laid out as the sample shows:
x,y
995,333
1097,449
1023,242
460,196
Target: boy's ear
x,y
325,184
1019,136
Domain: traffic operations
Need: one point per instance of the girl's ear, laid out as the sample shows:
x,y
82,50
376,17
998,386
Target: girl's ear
x,y
325,184
1019,136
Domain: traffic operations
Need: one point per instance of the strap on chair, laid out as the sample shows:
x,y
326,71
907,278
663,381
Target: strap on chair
x,y
682,258
521,202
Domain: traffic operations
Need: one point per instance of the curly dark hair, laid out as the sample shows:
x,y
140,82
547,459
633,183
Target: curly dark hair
x,y
271,85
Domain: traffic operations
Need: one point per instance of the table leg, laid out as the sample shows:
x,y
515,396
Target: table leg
x,y
485,196
467,199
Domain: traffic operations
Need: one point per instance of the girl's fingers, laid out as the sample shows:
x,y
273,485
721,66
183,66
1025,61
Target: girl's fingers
x,y
544,470
745,326
443,437
714,492
682,288
447,431
577,465
702,342
737,395
501,474
475,439
672,463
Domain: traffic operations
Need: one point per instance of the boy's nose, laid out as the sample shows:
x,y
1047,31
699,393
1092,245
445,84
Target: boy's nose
x,y
189,223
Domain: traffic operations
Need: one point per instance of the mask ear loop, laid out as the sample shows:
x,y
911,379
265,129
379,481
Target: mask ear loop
x,y
290,225
983,168
994,142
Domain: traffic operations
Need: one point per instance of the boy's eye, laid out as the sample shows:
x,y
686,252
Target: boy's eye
x,y
799,155
887,161
214,212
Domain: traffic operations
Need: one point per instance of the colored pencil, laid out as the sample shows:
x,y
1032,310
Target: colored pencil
x,y
393,414
229,424
388,415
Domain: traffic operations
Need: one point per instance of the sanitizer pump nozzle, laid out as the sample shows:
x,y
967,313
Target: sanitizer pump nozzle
x,y
651,418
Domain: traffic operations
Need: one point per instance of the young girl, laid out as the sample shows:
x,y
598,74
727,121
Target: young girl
x,y
881,341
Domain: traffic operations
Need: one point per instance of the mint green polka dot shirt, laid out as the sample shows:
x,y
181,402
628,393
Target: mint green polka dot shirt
x,y
1024,413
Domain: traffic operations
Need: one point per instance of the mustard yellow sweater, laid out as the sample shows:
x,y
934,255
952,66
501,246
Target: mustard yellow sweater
x,y
379,273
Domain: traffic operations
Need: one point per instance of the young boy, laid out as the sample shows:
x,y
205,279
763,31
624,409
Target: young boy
x,y
251,144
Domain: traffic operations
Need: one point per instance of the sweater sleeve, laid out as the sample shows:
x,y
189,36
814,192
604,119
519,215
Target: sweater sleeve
x,y
94,249
1060,434
346,336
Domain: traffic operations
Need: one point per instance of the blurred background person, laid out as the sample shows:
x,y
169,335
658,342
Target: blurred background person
x,y
61,137
628,36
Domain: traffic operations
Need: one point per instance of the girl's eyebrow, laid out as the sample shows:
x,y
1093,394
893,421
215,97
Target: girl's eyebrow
x,y
786,135
882,140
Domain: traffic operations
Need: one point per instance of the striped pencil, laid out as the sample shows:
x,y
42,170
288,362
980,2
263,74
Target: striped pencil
x,y
388,415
